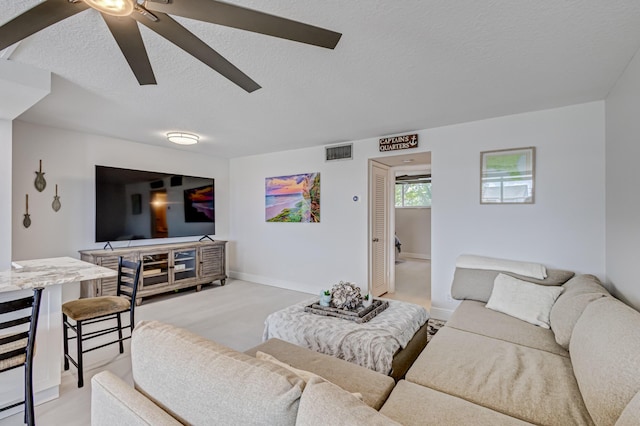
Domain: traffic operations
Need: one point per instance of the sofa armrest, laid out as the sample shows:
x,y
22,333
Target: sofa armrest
x,y
115,402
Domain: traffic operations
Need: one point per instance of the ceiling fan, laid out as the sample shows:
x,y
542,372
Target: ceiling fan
x,y
122,17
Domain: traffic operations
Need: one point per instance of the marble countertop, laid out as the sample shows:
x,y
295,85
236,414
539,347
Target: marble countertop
x,y
29,274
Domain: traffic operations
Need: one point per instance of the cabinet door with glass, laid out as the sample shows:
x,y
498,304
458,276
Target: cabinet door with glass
x,y
155,269
184,264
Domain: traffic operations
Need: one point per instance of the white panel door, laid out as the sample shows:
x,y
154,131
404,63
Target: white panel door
x,y
379,247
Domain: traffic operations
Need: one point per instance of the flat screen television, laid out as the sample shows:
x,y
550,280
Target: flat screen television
x,y
136,204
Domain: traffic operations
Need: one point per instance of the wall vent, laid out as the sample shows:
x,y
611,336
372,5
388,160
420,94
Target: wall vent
x,y
338,152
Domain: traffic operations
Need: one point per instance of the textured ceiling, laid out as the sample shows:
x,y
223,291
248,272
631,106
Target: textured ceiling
x,y
400,66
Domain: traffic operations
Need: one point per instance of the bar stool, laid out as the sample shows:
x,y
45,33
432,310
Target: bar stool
x,y
16,349
98,309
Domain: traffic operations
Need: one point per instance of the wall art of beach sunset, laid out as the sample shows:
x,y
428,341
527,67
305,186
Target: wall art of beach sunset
x,y
294,198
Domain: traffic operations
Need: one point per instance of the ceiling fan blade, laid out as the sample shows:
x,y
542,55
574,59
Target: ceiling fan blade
x,y
229,15
127,34
37,18
183,38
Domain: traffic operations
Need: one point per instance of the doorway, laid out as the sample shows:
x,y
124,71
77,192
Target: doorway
x,y
408,224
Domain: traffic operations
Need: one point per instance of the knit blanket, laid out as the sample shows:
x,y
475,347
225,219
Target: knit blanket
x,y
527,269
372,344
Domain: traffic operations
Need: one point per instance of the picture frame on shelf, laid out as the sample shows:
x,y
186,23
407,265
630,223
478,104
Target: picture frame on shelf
x,y
507,176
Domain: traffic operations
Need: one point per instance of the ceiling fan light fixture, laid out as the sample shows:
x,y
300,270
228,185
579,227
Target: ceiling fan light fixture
x,y
113,7
182,138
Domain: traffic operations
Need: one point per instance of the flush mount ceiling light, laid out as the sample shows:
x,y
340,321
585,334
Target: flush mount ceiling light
x,y
182,138
113,7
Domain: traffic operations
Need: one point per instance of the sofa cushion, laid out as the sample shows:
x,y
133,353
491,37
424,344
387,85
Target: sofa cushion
x,y
303,374
324,403
631,413
196,380
374,387
523,300
605,351
415,405
477,284
579,291
472,316
530,384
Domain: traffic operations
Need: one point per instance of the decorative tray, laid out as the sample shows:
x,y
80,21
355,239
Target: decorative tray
x,y
359,315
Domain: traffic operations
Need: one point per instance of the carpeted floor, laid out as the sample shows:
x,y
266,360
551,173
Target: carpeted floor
x,y
413,282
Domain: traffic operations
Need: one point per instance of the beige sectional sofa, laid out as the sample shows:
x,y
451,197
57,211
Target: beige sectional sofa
x,y
483,368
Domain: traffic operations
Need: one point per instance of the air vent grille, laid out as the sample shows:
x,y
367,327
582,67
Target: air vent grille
x,y
339,152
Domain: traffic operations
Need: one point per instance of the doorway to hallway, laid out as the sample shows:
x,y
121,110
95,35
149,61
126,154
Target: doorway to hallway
x,y
408,222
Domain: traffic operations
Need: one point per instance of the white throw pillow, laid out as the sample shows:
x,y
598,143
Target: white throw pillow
x,y
523,300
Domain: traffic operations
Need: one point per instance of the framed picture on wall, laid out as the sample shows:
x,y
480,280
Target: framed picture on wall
x,y
507,176
293,198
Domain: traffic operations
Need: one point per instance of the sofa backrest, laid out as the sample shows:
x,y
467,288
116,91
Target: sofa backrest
x,y
197,380
605,353
578,292
477,284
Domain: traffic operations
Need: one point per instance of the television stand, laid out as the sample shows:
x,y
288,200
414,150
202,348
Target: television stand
x,y
165,267
108,245
206,237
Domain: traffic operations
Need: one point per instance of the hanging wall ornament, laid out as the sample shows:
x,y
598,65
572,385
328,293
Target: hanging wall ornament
x,y
56,201
40,183
27,220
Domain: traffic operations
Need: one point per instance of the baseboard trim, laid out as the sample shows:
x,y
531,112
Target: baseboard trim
x,y
288,285
40,397
441,314
415,256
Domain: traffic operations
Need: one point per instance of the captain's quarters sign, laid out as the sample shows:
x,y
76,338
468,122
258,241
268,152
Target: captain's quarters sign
x,y
396,143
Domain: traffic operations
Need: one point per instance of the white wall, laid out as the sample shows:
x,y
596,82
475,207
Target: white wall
x,y
303,256
564,228
5,193
623,185
21,87
69,159
413,229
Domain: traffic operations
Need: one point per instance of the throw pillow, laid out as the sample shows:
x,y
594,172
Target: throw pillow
x,y
303,374
323,403
523,300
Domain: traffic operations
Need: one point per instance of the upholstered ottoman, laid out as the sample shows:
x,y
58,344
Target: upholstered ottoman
x,y
388,343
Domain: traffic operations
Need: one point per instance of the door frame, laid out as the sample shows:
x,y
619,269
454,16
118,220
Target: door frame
x,y
391,221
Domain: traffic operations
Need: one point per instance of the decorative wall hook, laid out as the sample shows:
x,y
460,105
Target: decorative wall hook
x,y
56,201
40,183
27,219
